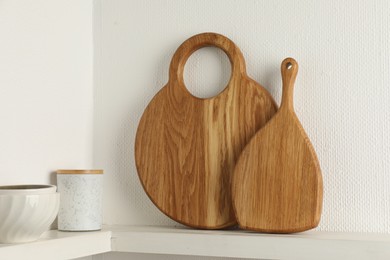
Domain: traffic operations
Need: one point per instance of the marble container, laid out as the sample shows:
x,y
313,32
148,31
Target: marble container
x,y
81,200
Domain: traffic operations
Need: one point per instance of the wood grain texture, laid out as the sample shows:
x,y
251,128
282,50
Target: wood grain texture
x,y
277,182
186,147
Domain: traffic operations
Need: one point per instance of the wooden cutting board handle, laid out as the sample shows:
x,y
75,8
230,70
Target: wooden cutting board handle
x,y
289,69
204,40
277,182
186,147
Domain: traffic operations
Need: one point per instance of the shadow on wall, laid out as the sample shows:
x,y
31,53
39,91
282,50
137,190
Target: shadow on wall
x,y
53,181
132,196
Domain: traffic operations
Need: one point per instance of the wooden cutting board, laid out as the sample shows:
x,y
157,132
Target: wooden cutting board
x,y
277,182
186,147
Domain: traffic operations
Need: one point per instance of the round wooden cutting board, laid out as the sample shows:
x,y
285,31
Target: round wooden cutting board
x,y
186,147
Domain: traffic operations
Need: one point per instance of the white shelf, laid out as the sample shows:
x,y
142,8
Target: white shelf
x,y
306,245
59,245
183,241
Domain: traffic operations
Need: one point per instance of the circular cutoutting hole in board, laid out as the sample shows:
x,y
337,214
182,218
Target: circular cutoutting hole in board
x,y
207,72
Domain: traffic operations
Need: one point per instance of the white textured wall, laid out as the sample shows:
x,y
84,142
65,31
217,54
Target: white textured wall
x,y
46,88
342,93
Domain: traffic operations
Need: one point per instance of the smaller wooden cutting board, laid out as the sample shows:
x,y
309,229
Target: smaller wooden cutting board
x,y
277,182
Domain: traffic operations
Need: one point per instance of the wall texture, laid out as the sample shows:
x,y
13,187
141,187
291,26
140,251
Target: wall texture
x,y
46,88
342,93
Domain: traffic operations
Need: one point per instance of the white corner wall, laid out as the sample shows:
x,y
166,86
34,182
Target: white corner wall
x,y
342,93
46,88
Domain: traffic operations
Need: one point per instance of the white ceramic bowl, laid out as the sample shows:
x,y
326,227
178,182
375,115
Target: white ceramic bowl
x,y
27,189
24,218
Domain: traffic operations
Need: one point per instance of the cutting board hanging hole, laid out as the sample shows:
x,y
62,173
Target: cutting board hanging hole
x,y
207,72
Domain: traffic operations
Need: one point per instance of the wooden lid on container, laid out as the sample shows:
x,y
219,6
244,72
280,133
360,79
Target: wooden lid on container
x,y
79,171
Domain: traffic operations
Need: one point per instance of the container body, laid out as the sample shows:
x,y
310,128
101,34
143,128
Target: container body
x,y
81,201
